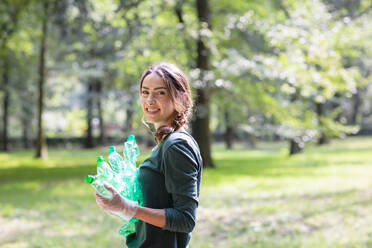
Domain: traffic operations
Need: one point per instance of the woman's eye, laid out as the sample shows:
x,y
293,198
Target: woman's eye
x,y
145,92
161,93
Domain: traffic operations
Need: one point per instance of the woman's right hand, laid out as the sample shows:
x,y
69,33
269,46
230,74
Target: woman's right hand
x,y
117,204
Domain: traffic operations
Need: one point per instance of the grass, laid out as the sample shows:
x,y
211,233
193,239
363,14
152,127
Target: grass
x,y
255,198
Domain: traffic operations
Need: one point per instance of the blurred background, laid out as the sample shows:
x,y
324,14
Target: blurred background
x,y
283,115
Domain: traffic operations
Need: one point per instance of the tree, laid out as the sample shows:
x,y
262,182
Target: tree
x,y
241,95
200,124
41,146
299,64
355,54
9,12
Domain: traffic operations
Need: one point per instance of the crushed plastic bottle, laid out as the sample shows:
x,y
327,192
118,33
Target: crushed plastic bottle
x,y
104,175
98,185
115,160
133,190
122,176
131,153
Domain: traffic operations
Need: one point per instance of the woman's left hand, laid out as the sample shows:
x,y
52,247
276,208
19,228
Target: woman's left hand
x,y
117,204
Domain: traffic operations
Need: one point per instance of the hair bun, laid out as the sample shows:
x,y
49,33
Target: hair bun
x,y
163,132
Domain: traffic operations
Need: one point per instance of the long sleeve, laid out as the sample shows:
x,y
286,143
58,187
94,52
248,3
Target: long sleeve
x,y
181,172
170,179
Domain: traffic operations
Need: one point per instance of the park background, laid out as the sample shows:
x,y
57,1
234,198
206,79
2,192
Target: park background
x,y
283,115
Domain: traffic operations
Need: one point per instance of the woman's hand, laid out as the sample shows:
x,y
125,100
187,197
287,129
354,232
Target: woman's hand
x,y
126,209
117,204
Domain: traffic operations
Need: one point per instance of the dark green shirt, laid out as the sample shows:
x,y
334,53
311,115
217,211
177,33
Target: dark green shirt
x,y
170,180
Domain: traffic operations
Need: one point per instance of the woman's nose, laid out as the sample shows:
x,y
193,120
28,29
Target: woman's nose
x,y
151,97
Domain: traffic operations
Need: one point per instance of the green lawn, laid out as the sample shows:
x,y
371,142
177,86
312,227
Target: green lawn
x,y
255,198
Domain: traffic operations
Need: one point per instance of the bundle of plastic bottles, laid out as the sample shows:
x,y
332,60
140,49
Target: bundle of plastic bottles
x,y
122,175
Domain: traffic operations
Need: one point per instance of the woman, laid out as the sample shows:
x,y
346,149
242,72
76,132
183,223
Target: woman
x,y
170,177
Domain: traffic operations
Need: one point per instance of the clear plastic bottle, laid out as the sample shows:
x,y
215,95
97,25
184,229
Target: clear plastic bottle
x,y
104,175
131,151
115,160
103,168
130,178
122,176
98,185
131,154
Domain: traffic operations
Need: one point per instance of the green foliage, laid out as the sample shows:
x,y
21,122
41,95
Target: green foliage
x,y
272,61
299,60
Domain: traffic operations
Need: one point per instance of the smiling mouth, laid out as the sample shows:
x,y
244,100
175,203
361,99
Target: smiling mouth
x,y
152,111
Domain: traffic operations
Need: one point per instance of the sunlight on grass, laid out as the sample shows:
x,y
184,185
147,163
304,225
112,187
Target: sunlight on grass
x,y
257,197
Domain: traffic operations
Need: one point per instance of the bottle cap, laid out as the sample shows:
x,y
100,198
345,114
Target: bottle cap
x,y
100,159
131,137
89,179
112,149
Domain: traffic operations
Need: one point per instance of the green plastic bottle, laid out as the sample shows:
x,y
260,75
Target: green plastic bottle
x,y
131,151
128,227
104,169
122,176
104,175
130,178
98,185
115,160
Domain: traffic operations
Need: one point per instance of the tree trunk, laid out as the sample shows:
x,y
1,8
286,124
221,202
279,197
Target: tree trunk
x,y
25,126
102,134
89,139
128,121
229,131
336,104
356,107
200,125
323,139
296,147
41,146
6,105
295,144
252,140
25,136
320,114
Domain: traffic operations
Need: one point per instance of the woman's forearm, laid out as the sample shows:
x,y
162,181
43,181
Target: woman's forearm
x,y
152,216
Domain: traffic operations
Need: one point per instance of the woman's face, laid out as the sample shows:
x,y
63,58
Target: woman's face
x,y
156,101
